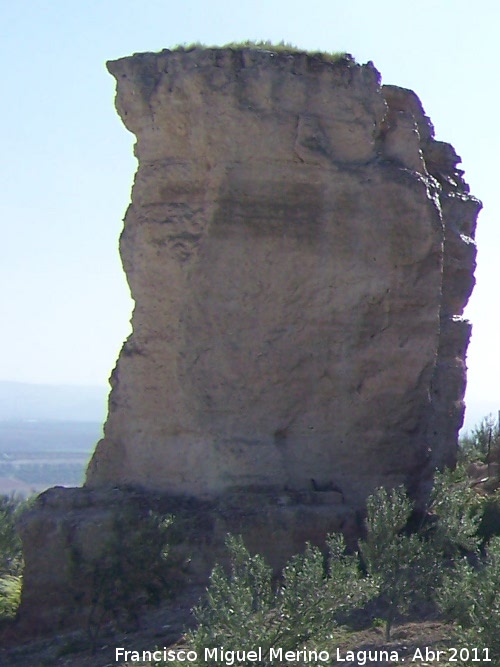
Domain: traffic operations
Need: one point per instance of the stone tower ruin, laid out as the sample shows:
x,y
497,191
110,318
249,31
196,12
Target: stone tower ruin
x,y
299,248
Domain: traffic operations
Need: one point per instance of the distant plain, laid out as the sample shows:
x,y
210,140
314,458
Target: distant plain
x,y
47,435
35,455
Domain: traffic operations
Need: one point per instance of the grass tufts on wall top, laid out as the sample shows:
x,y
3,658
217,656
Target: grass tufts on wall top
x,y
282,47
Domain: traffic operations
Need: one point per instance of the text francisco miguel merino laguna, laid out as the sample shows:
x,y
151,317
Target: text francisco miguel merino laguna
x,y
222,656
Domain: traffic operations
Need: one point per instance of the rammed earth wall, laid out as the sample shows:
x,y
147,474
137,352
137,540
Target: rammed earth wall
x,y
300,250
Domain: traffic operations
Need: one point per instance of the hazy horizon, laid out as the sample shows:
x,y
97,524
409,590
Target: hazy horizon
x,y
89,403
21,401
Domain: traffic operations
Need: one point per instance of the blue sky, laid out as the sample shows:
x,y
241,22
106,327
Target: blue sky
x,y
67,163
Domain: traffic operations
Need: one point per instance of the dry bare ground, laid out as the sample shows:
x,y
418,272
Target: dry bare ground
x,y
160,627
163,627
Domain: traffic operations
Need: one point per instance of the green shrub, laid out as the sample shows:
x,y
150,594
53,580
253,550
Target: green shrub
x,y
404,566
10,543
11,557
243,609
469,597
458,510
408,567
10,595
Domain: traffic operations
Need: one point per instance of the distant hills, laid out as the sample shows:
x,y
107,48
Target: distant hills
x,y
21,401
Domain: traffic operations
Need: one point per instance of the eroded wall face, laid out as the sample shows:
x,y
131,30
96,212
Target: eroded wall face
x,y
294,327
